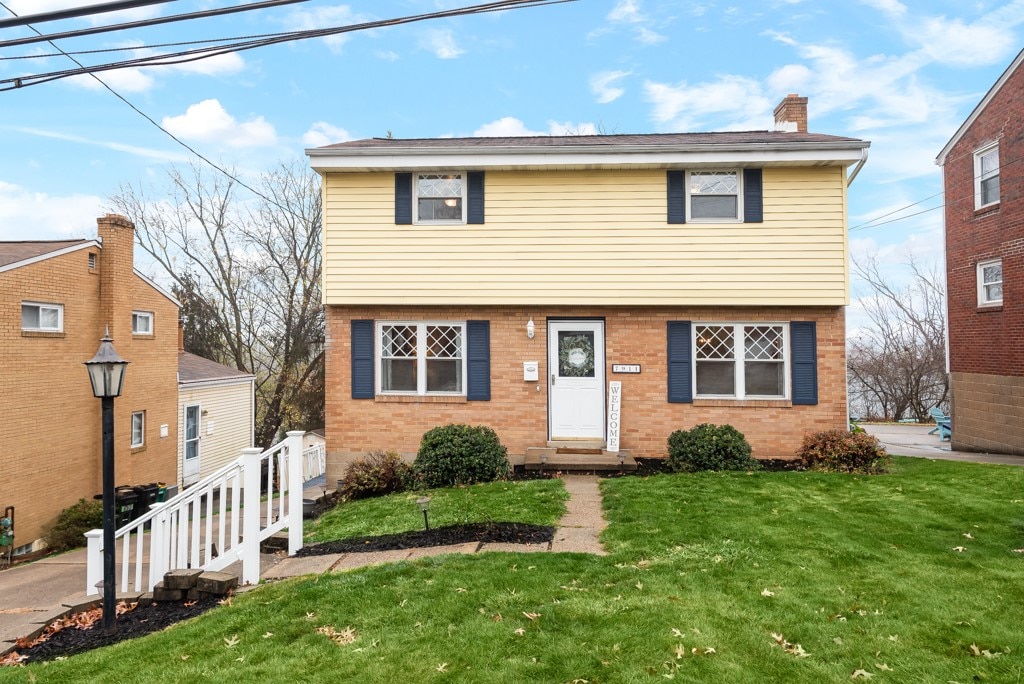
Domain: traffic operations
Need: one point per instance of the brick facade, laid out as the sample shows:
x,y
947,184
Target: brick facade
x,y
51,426
985,348
518,409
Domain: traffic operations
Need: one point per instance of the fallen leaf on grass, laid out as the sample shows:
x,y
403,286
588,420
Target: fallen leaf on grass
x,y
233,641
680,651
861,674
497,617
883,666
959,549
342,638
793,649
520,631
767,593
968,535
185,656
267,635
311,616
443,667
531,616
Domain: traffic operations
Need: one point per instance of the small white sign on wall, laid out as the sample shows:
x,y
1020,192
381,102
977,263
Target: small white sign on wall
x,y
614,415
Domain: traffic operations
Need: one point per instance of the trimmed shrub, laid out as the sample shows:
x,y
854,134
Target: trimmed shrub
x,y
460,454
68,531
380,473
840,451
709,447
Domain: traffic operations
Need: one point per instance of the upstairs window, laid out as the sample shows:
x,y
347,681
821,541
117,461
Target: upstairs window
x,y
422,358
713,196
36,317
138,429
990,282
440,198
142,323
986,176
740,361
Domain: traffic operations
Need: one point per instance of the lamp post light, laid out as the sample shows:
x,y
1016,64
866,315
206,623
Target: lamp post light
x,y
424,504
106,373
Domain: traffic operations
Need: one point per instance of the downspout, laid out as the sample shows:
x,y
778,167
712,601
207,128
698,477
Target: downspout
x,y
858,167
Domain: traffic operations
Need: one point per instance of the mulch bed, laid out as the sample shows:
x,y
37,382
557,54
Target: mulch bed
x,y
144,619
505,532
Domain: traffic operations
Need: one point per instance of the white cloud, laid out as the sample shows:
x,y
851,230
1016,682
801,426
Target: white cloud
x,y
649,37
442,43
387,55
35,215
121,80
143,152
325,17
791,78
322,133
602,85
208,121
217,65
731,102
626,10
510,126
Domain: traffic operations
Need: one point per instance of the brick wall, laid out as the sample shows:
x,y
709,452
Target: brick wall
x,y
518,409
51,426
985,341
989,413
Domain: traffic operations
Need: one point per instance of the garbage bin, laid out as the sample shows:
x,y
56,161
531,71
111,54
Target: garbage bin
x,y
147,496
161,492
124,506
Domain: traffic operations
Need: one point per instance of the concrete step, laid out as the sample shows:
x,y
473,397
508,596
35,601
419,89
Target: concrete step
x,y
548,458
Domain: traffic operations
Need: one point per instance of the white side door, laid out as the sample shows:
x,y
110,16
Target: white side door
x,y
190,469
576,380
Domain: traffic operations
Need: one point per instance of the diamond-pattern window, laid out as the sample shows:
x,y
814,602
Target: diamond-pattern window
x,y
713,183
422,358
438,185
714,343
713,195
763,343
439,198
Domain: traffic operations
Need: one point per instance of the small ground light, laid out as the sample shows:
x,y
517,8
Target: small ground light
x,y
424,503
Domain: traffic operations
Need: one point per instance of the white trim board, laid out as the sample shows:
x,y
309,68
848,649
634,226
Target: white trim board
x,y
49,255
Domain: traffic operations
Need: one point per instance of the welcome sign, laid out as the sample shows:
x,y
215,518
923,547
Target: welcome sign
x,y
614,415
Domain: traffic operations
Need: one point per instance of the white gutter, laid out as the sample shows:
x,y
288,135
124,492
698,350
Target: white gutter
x,y
857,167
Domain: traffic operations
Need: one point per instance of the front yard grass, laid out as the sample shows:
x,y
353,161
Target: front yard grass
x,y
765,577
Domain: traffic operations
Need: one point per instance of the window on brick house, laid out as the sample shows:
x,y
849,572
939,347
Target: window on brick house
x,y
37,317
986,176
421,358
741,361
990,282
142,323
138,429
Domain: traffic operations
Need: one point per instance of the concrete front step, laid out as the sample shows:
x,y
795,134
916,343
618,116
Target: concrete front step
x,y
548,458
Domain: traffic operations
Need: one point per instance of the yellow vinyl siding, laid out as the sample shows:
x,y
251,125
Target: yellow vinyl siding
x,y
588,237
230,409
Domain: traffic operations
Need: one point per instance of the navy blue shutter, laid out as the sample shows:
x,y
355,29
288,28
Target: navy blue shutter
x,y
478,360
753,201
804,362
677,197
403,198
680,363
362,359
475,197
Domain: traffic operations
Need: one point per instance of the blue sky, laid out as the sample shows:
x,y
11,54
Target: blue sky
x,y
903,75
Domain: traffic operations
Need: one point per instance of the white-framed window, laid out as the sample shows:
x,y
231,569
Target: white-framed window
x,y
713,196
138,429
990,282
40,317
986,176
440,197
142,322
741,360
421,357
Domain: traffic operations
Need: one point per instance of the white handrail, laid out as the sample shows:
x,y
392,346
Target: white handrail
x,y
214,523
314,462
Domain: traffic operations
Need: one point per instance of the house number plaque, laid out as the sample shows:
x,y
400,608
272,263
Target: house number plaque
x,y
625,368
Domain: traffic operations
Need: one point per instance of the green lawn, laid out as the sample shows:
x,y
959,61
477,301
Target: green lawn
x,y
860,572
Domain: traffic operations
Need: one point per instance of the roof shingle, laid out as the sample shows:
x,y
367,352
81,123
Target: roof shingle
x,y
192,368
13,252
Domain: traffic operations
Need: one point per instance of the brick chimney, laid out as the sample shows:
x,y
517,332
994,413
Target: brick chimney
x,y
117,235
791,114
181,335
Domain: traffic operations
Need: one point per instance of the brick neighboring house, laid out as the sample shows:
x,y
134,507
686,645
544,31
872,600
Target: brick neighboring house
x,y
984,226
56,299
507,281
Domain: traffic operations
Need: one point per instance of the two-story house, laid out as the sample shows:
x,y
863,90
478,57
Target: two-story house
x,y
983,183
56,301
509,281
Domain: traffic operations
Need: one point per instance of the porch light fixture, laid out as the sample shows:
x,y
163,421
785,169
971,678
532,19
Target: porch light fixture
x,y
530,329
424,503
106,373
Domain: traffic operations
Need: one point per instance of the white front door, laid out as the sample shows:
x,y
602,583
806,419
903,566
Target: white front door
x,y
576,379
190,469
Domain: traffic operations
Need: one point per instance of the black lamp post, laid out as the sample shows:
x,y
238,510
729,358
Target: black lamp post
x,y
106,373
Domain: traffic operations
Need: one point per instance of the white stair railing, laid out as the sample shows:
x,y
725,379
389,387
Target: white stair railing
x,y
314,462
219,520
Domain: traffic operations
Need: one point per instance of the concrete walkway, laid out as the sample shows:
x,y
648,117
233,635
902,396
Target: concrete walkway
x,y
35,593
914,440
579,531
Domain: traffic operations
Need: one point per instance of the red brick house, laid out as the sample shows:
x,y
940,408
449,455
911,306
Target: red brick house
x,y
584,290
984,232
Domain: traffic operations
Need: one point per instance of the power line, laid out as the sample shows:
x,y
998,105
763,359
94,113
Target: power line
x,y
207,52
43,17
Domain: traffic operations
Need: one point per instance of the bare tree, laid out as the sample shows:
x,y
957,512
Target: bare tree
x,y
255,264
897,363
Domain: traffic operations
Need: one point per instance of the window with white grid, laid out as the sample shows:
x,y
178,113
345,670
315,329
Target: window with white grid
x,y
990,282
740,360
422,357
986,176
440,198
713,196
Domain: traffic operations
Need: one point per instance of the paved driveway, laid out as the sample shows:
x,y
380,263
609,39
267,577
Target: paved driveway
x,y
914,440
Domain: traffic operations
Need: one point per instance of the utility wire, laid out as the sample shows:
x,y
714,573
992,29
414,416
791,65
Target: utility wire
x,y
71,13
207,52
28,40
